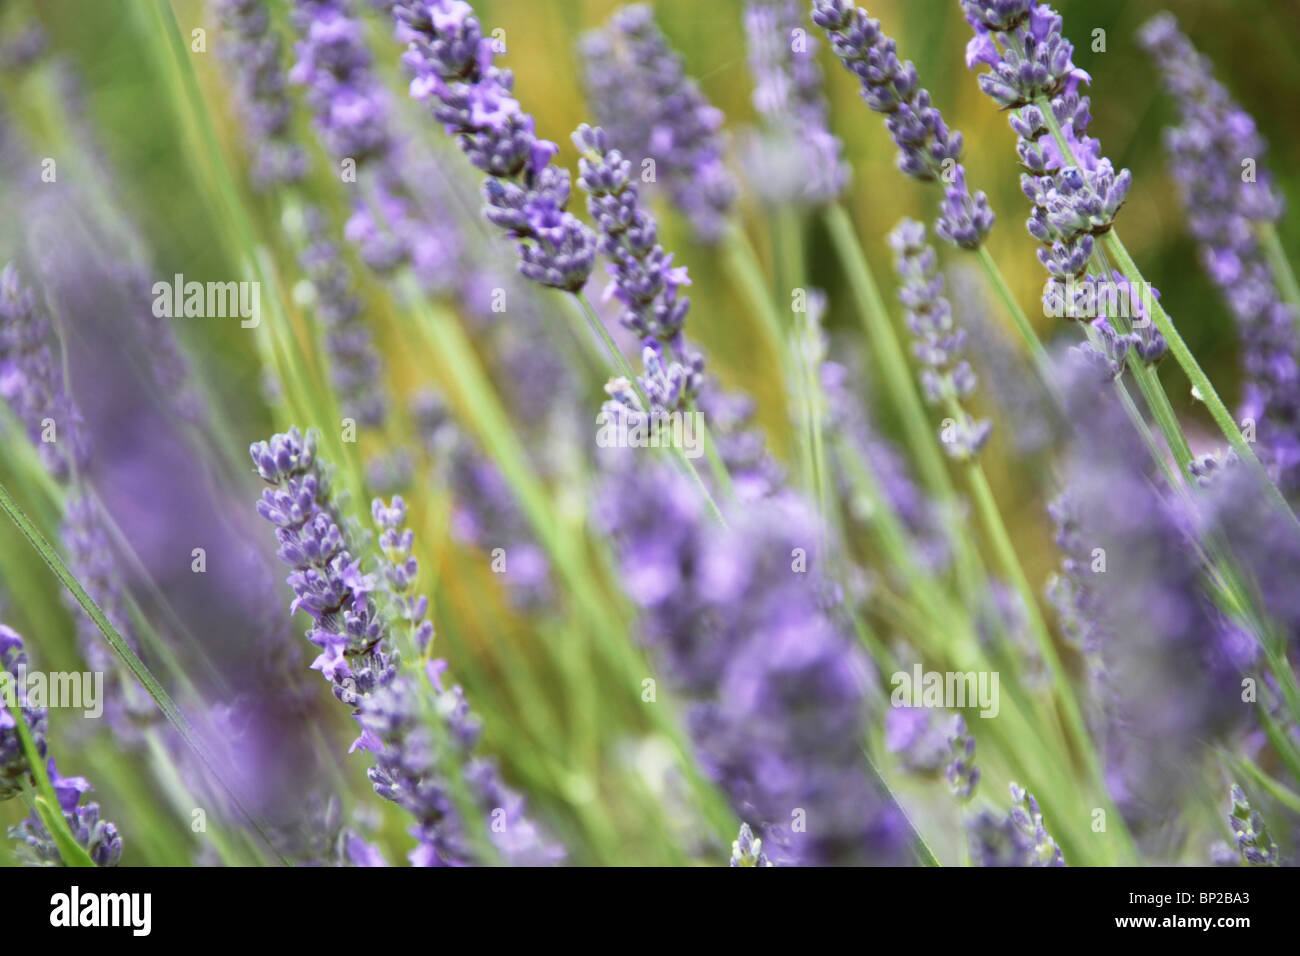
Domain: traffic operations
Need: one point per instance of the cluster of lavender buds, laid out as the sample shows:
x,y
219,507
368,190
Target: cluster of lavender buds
x,y
355,367
99,838
31,381
394,708
392,223
1248,830
15,772
526,194
639,90
417,769
261,92
927,149
326,579
1214,141
1075,191
642,278
332,62
797,159
1016,839
1070,591
400,570
747,849
946,378
962,774
916,737
777,693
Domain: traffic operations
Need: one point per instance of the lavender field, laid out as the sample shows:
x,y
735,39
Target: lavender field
x,y
564,433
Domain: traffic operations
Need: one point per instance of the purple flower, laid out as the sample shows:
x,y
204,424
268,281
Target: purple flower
x,y
97,837
31,380
927,149
1075,196
1248,830
911,734
253,56
643,278
776,690
747,849
454,74
640,92
961,773
394,708
1166,663
356,370
1017,839
350,108
797,159
1207,149
938,342
15,772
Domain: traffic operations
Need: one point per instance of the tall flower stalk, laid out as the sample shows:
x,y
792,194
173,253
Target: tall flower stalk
x,y
415,766
1232,208
1075,189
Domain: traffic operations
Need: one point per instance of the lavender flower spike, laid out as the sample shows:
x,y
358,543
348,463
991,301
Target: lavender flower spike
x,y
526,195
927,149
99,838
776,689
1253,842
254,55
798,158
644,279
1017,839
946,377
1076,196
1207,150
747,849
640,90
962,774
395,708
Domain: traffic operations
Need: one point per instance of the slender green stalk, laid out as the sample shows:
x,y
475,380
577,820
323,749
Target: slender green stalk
x,y
490,420
893,363
890,357
47,802
1113,245
1283,274
1018,316
991,517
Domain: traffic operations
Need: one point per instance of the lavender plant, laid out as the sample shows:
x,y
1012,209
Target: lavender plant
x,y
784,654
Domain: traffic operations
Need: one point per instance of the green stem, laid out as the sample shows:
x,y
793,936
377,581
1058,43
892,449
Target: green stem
x,y
1283,274
995,527
47,801
893,364
1018,316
